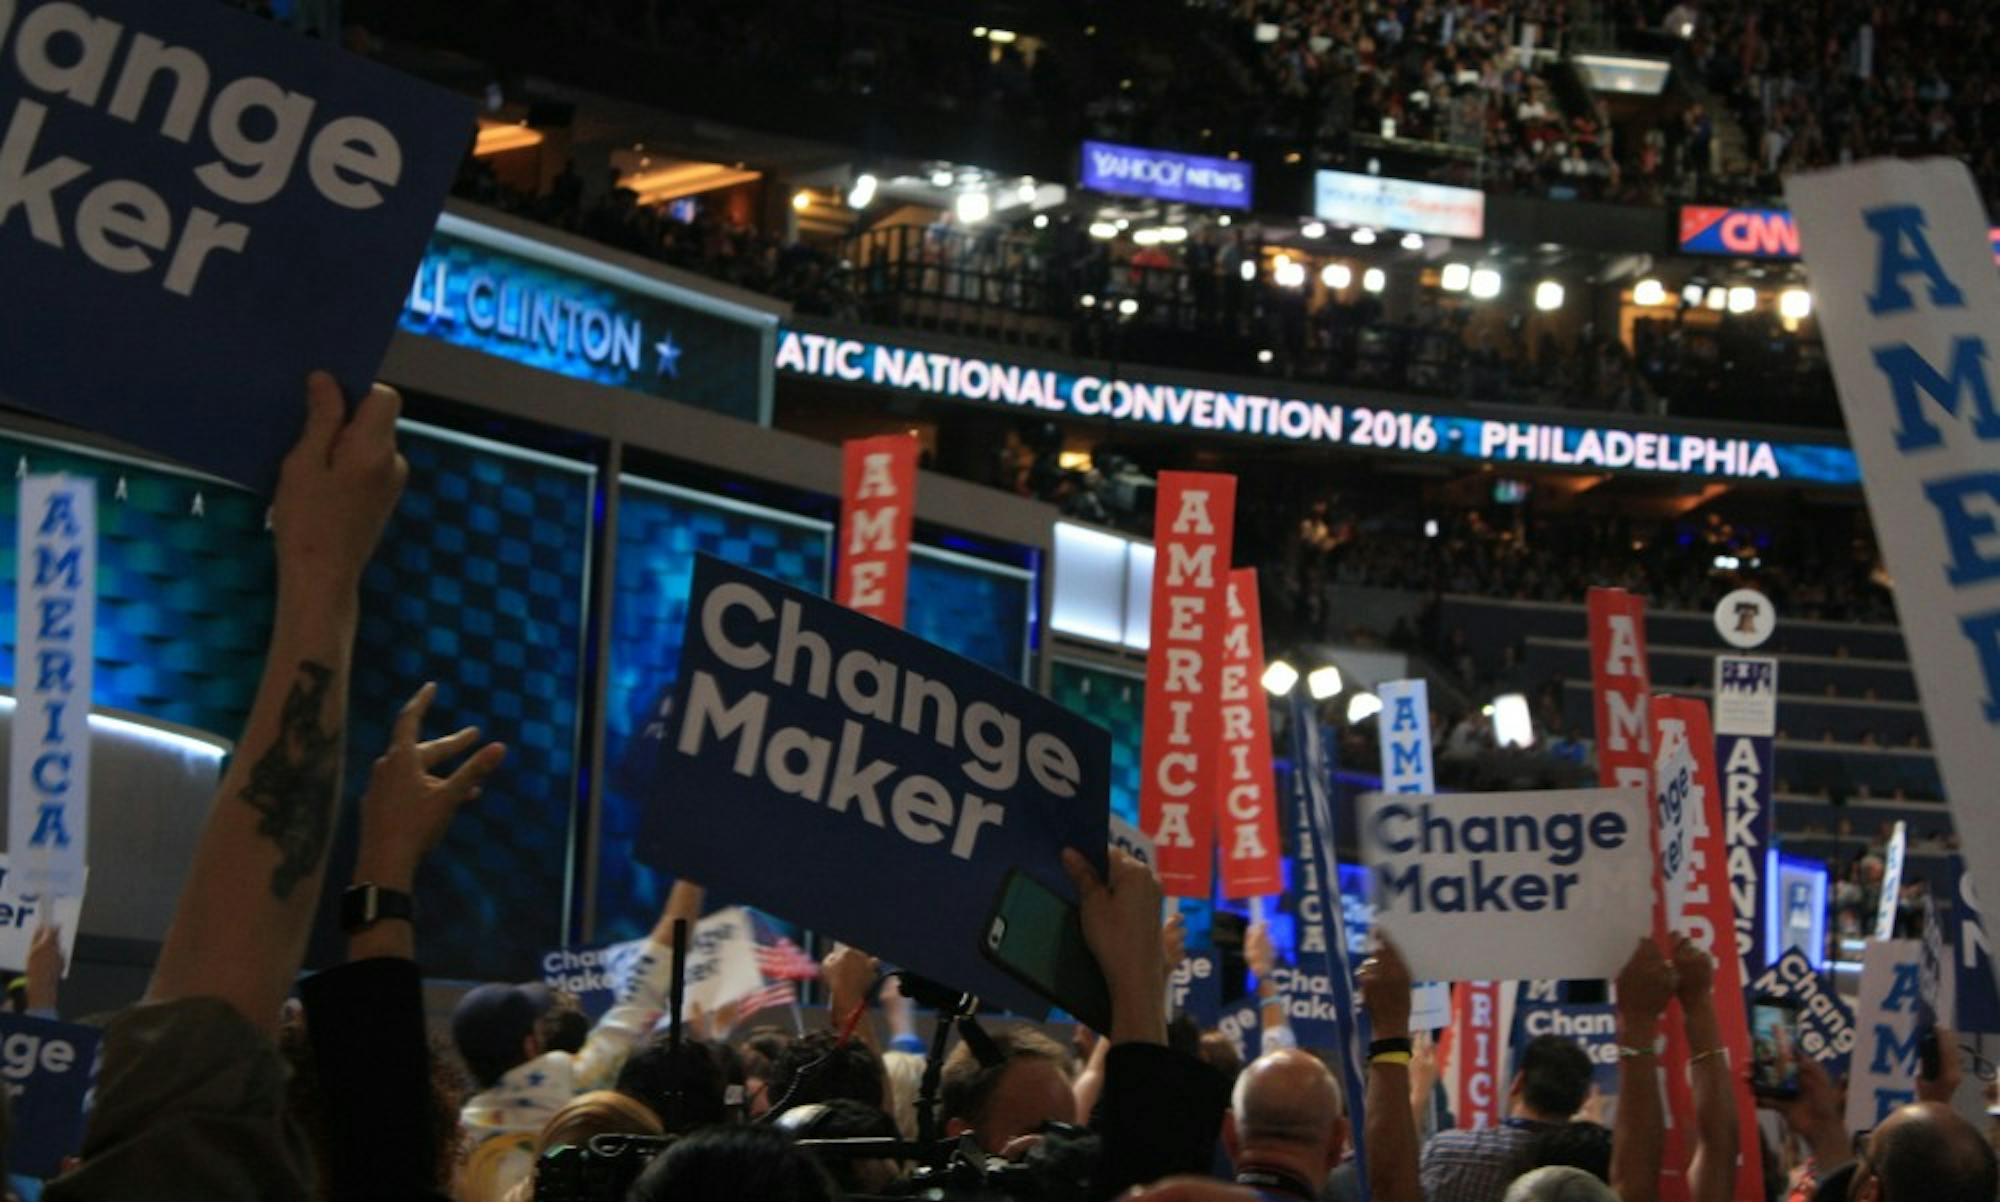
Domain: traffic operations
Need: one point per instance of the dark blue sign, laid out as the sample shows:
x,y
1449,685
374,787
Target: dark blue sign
x,y
199,209
484,287
1826,1023
842,773
48,1067
1165,175
1592,1026
1975,1001
592,975
1196,988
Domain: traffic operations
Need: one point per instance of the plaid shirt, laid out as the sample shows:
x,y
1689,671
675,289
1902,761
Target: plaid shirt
x,y
1477,1166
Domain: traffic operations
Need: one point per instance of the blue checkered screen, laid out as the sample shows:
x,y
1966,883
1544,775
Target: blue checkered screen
x,y
979,613
1117,702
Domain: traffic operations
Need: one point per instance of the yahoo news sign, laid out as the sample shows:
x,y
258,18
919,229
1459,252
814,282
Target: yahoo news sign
x,y
1164,175
1752,233
1060,394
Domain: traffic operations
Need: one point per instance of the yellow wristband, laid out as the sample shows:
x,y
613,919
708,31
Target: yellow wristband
x,y
1402,1058
1698,1057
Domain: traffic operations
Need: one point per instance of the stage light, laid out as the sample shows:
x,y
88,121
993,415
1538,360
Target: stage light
x,y
1265,355
1173,233
941,178
1548,296
1002,36
1026,192
1289,274
1313,229
1146,237
1087,300
1336,275
1041,221
1248,270
1728,563
1324,682
1128,306
862,194
1265,33
1691,295
1649,293
1363,236
1717,299
1413,241
1223,221
1456,277
1513,725
1485,284
1363,706
1742,300
1103,230
1430,528
1374,280
1280,678
974,207
1795,303
802,200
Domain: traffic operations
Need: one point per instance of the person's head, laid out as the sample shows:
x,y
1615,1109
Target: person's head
x,y
1551,1079
819,1068
1925,1151
685,1087
1220,1054
842,1119
998,1103
760,1051
499,1027
724,1164
1286,1114
1585,1146
1558,1184
600,1112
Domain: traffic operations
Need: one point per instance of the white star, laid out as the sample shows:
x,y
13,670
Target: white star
x,y
670,356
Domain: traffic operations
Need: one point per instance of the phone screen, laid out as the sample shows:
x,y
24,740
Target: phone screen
x,y
1036,936
1774,1048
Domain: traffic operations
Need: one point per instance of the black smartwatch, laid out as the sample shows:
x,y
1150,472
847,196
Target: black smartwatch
x,y
362,906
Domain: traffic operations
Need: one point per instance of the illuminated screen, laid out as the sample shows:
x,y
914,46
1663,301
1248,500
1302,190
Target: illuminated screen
x,y
1117,702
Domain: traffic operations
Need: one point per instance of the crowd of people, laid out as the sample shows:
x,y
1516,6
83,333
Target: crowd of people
x,y
215,1086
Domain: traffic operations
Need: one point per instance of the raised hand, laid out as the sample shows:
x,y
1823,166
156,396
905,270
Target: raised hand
x,y
1121,926
1385,990
407,806
337,488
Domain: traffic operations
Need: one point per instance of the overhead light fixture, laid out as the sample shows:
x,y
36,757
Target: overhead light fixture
x,y
1002,36
1265,33
1026,192
1691,295
974,206
1146,237
1087,300
1513,724
1104,230
1430,527
1128,306
1247,270
1289,274
1324,682
1548,296
1374,280
1223,221
942,178
1485,284
1718,298
1362,706
1795,304
1265,355
1280,678
1173,233
802,200
979,31
1041,221
1456,277
1313,229
1336,275
1412,242
1742,299
1649,292
1363,236
862,194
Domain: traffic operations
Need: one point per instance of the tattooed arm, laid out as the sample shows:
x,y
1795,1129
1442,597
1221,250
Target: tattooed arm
x,y
240,931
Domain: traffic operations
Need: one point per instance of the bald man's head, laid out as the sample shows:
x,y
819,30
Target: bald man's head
x,y
1927,1152
1288,1099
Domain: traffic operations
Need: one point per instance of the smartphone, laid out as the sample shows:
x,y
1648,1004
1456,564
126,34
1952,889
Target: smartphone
x,y
1929,1056
1036,937
1774,1048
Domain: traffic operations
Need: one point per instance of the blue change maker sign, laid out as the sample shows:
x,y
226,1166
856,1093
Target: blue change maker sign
x,y
529,301
816,755
1165,175
197,209
48,1067
1059,394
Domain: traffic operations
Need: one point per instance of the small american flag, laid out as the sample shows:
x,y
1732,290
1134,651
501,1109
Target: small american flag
x,y
785,961
770,997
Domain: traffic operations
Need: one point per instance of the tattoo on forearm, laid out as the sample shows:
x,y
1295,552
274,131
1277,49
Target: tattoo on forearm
x,y
293,785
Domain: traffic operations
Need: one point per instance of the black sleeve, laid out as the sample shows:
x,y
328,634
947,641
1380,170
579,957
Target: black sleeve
x,y
366,1020
1159,1114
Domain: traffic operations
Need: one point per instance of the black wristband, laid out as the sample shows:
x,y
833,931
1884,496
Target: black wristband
x,y
1380,1046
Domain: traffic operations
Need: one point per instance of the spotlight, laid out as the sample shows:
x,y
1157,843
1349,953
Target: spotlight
x,y
1513,726
1280,678
1456,277
1411,242
1742,299
1128,306
802,200
1087,300
1795,303
1248,270
862,194
1485,284
1363,236
1313,229
1691,295
1103,230
1289,274
1649,293
1374,280
974,207
1336,275
1430,528
1717,299
1324,682
1041,221
1223,221
1362,706
1265,355
1026,192
1548,296
941,178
